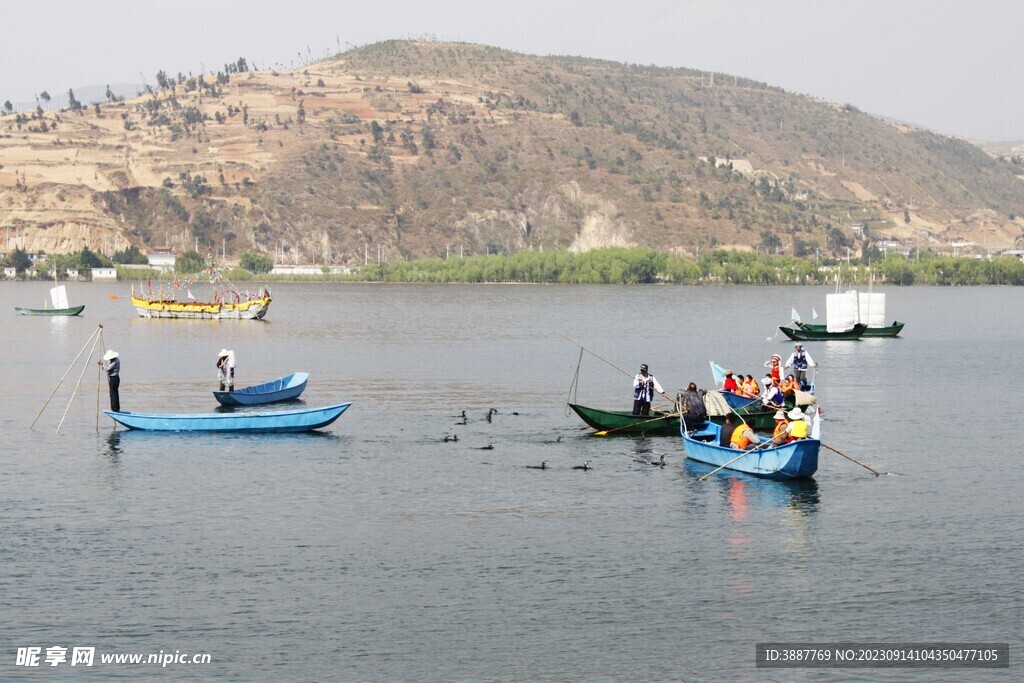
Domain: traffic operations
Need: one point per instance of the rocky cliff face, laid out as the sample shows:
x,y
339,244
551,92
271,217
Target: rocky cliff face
x,y
411,149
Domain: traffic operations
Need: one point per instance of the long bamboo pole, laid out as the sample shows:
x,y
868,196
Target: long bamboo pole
x,y
606,432
742,453
70,368
876,472
71,400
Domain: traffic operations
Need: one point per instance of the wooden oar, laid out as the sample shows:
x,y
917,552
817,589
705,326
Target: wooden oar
x,y
742,453
606,432
877,473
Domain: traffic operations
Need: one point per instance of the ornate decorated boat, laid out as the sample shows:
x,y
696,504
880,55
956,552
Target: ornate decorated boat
x,y
226,305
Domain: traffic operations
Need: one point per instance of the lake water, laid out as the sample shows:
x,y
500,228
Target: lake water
x,y
376,551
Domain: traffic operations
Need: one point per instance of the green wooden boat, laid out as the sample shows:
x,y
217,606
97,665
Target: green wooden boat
x,y
625,422
799,334
887,331
74,310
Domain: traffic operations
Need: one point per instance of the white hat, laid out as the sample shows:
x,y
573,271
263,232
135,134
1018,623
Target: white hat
x,y
796,414
223,352
110,355
779,415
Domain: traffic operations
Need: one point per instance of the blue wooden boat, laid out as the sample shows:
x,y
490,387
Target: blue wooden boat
x,y
795,460
303,420
283,389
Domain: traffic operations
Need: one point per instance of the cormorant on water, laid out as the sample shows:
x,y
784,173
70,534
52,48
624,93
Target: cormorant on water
x,y
542,466
584,466
659,463
490,412
488,447
453,437
463,418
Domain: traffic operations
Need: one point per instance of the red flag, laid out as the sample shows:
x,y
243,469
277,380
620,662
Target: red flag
x,y
149,283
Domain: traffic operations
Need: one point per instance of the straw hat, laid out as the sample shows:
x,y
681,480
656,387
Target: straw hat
x,y
110,355
796,414
729,372
779,415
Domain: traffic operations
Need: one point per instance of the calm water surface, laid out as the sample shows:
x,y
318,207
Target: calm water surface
x,y
376,551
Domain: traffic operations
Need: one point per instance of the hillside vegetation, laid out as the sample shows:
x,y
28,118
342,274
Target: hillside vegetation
x,y
408,149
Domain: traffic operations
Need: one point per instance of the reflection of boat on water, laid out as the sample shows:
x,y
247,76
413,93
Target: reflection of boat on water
x,y
800,495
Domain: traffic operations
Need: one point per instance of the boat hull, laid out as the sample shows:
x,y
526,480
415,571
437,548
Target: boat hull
x,y
796,460
798,334
623,422
887,331
247,423
74,310
254,309
283,389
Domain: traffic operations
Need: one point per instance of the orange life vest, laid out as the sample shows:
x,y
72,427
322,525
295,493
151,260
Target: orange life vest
x,y
788,386
780,430
739,437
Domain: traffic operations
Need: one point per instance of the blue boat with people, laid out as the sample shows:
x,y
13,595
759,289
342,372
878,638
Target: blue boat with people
x,y
793,460
282,389
303,420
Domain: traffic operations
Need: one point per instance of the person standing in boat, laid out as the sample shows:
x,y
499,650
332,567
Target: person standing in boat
x,y
775,363
644,386
111,362
800,360
226,370
691,404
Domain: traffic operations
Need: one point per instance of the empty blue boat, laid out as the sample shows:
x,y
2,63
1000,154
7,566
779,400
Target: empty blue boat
x,y
794,460
283,389
303,420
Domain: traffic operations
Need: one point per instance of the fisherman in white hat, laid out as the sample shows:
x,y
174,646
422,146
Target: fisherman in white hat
x,y
226,370
797,424
112,364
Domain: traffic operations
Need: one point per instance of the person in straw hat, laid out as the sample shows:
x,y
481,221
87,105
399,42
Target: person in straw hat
x,y
781,433
798,424
226,370
111,362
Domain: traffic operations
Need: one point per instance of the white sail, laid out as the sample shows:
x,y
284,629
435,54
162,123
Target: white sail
x,y
59,297
872,309
841,312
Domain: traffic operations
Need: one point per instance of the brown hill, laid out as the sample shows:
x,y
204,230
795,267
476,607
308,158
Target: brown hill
x,y
409,148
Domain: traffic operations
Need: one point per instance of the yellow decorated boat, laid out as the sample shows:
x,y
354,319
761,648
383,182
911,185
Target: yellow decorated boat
x,y
227,305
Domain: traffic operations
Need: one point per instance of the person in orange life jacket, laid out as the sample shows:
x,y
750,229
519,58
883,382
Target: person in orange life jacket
x,y
743,437
750,387
789,388
781,433
800,360
775,363
730,383
798,427
644,386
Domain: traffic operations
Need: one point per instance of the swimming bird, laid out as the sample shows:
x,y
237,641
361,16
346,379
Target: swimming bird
x,y
542,466
659,463
463,419
453,437
584,466
490,412
488,447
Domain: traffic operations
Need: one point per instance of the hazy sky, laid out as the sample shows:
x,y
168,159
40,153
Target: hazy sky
x,y
950,65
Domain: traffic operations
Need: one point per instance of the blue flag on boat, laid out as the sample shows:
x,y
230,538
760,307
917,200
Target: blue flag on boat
x,y
796,316
814,314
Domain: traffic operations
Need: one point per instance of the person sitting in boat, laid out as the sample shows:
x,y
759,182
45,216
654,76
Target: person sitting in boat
x,y
789,388
691,404
800,361
775,363
750,388
798,427
743,437
644,386
725,437
730,383
226,370
773,396
781,433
